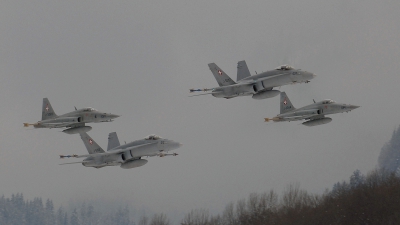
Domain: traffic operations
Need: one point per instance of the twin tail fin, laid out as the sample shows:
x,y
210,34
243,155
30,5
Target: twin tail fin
x,y
222,78
242,70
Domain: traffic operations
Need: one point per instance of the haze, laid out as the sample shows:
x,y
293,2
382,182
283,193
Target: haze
x,y
139,59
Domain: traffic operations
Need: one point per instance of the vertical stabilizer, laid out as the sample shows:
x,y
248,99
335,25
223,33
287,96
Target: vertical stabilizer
x,y
91,145
242,70
222,78
285,103
47,110
112,141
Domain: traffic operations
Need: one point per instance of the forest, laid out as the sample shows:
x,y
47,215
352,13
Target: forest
x,y
363,199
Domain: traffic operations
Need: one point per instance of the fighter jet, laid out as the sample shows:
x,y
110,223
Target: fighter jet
x,y
314,113
74,120
260,86
126,156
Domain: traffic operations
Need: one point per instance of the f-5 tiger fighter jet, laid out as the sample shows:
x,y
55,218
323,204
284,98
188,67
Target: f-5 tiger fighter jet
x,y
260,86
126,156
314,113
75,120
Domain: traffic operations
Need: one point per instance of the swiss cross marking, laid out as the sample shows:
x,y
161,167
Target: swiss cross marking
x,y
285,102
219,72
90,141
47,107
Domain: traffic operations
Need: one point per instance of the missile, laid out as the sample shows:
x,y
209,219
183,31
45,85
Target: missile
x,y
163,154
30,124
205,89
68,156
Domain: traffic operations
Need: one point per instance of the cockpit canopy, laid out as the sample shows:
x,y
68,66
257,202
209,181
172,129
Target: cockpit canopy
x,y
152,137
89,109
328,101
284,67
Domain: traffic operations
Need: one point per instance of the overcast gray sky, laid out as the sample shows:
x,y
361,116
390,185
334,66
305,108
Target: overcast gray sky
x,y
139,59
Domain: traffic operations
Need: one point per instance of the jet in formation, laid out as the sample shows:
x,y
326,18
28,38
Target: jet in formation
x,y
260,86
314,113
74,121
126,156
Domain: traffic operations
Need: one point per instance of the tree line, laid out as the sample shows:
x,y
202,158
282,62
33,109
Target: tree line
x,y
370,199
18,211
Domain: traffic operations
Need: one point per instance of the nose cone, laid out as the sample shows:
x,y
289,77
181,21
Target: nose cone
x,y
353,107
112,116
174,145
307,76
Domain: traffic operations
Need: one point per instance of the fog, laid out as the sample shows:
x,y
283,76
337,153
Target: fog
x,y
139,59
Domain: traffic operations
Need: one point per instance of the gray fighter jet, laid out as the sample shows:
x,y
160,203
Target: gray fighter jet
x,y
314,113
260,86
126,156
75,120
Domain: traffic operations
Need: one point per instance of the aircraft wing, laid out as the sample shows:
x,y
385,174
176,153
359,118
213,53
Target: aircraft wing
x,y
293,118
70,163
251,82
63,124
114,152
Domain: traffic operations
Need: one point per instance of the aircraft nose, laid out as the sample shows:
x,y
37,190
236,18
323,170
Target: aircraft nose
x,y
354,107
175,145
113,116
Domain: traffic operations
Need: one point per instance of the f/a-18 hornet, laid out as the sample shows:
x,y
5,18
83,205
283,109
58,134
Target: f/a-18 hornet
x,y
314,113
260,86
74,120
126,156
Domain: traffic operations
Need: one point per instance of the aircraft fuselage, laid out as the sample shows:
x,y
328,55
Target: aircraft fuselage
x,y
262,82
317,109
79,117
131,152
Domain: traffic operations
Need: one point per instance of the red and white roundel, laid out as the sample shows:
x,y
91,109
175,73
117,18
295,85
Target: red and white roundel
x,y
284,102
90,141
219,72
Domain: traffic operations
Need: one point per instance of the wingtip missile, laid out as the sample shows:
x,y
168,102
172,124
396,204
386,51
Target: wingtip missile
x,y
29,124
165,154
68,156
204,89
275,119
